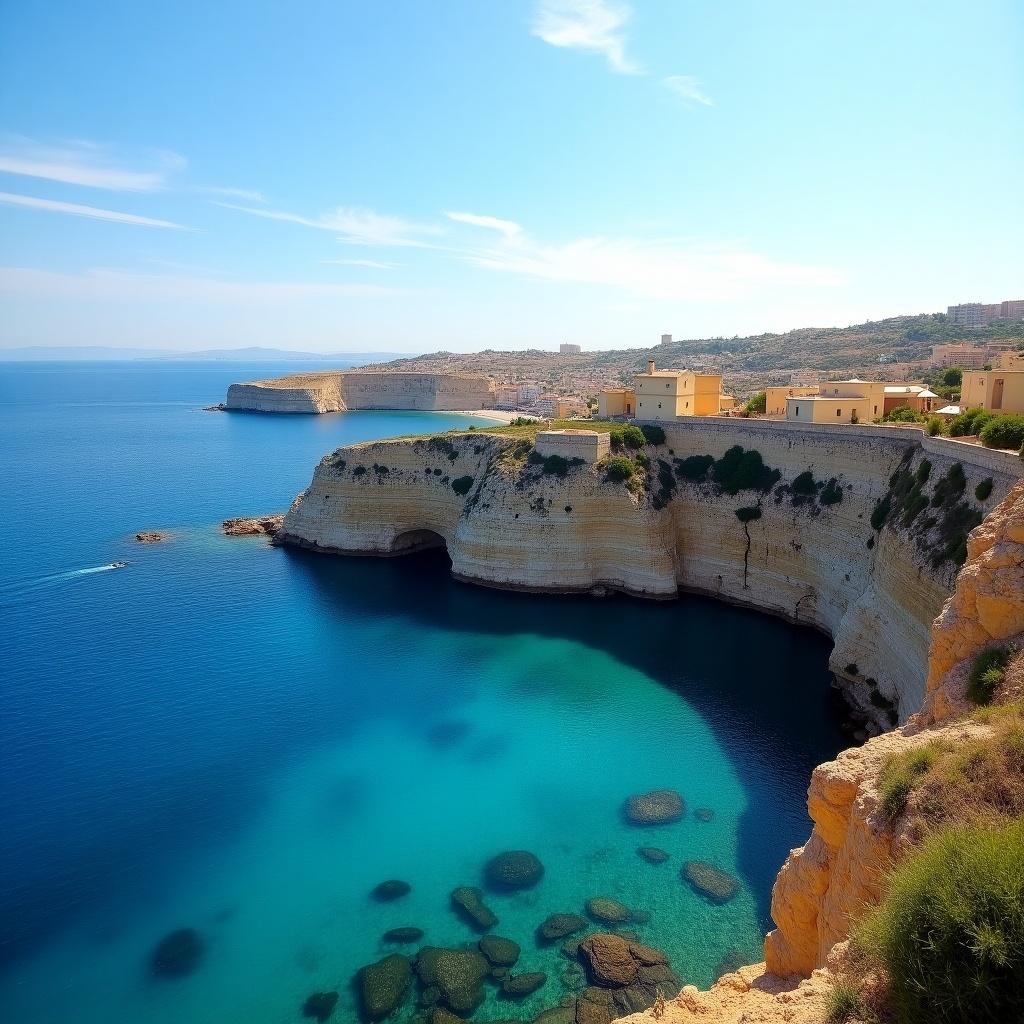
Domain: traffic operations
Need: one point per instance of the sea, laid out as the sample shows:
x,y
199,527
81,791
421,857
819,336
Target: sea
x,y
244,740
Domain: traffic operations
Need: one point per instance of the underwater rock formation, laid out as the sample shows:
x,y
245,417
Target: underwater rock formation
x,y
625,977
559,926
659,807
468,903
320,1005
652,854
514,869
457,974
384,985
519,986
403,936
178,953
392,889
713,883
605,910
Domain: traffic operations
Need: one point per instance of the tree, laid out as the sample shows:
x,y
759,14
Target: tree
x,y
758,402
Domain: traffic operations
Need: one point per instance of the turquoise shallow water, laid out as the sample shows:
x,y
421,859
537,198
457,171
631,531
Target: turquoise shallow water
x,y
245,740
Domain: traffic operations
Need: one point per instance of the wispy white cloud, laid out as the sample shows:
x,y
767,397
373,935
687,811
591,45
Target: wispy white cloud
x,y
657,269
87,164
596,26
109,285
509,228
250,195
353,225
688,89
93,212
373,264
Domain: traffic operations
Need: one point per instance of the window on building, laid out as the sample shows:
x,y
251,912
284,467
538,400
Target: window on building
x,y
876,410
659,405
839,412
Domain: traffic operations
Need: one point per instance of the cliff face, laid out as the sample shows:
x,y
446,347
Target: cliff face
x,y
336,391
517,527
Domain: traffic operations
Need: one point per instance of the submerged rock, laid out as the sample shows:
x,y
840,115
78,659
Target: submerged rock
x,y
178,953
703,814
499,952
447,734
629,974
151,537
384,985
515,869
392,889
659,807
518,986
320,1005
652,854
468,903
443,1016
716,885
402,936
557,1015
605,910
559,926
458,975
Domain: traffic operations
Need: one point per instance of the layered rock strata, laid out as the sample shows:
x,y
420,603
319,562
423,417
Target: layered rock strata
x,y
507,523
336,391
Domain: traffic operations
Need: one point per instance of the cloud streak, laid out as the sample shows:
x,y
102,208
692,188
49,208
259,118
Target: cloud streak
x,y
353,225
509,228
85,164
594,26
92,212
688,89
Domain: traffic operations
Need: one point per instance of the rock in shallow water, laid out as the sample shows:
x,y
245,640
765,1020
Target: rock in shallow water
x,y
253,526
457,974
499,952
468,903
559,926
402,936
714,884
605,910
178,953
625,978
320,1005
704,814
384,985
659,807
652,854
392,889
514,869
518,986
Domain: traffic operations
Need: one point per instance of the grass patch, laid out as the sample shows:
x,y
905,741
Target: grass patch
x,y
987,674
901,774
845,1006
950,930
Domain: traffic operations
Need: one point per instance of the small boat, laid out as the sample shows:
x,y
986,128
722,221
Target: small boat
x,y
118,565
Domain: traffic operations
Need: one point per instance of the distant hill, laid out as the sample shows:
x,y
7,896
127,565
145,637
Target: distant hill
x,y
72,353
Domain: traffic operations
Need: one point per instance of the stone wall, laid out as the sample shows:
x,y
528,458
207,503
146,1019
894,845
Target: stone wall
x,y
876,594
336,391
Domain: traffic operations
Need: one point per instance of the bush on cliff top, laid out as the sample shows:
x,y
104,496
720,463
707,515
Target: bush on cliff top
x,y
619,467
969,423
950,931
740,470
462,484
628,436
1003,432
987,674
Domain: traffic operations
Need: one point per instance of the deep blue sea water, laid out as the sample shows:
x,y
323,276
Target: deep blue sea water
x,y
244,740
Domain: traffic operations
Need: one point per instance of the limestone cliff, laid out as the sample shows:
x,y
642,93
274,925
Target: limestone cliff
x,y
336,391
875,593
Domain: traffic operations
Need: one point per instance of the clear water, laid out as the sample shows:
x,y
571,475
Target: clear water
x,y
242,739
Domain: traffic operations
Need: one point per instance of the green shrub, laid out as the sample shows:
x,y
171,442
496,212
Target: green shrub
x,y
900,773
984,489
950,930
642,460
694,467
359,471
935,427
803,483
748,514
556,465
1003,432
633,436
844,1004
881,512
619,468
949,486
739,470
924,470
758,402
462,484
902,414
987,672
615,439
969,423
653,433
831,493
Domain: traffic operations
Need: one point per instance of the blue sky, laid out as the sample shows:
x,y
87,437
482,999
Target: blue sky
x,y
460,174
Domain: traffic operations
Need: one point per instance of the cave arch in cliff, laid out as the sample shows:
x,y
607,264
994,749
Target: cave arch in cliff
x,y
417,540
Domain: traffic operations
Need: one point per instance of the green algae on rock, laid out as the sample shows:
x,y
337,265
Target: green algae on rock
x,y
605,910
499,951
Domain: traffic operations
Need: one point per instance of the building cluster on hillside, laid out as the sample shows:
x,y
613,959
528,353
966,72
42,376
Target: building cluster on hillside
x,y
849,401
666,395
978,314
966,356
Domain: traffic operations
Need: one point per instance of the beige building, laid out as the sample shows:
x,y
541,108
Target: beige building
x,y
668,394
506,397
969,357
588,445
1010,361
558,407
857,401
614,402
994,390
977,314
775,398
569,349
